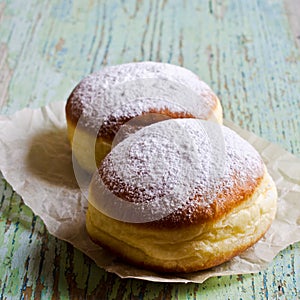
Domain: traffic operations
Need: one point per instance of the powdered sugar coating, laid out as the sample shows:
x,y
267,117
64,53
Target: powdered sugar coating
x,y
167,86
130,112
178,167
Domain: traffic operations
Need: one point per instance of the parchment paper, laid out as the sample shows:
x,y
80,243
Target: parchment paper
x,y
35,158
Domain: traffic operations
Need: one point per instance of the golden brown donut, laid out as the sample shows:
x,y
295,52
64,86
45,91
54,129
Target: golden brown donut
x,y
181,195
105,100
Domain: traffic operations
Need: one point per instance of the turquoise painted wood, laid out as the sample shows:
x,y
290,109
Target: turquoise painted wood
x,y
245,50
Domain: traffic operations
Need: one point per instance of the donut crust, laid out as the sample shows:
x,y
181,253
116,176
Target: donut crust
x,y
192,247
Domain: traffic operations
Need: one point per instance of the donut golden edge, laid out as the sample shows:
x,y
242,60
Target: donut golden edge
x,y
188,248
88,150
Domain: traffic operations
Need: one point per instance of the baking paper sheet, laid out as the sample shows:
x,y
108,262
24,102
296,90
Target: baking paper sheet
x,y
35,158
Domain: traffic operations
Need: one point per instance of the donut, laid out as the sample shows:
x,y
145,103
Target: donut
x,y
180,195
103,101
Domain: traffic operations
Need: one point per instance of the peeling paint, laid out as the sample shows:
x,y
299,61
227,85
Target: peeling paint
x,y
5,75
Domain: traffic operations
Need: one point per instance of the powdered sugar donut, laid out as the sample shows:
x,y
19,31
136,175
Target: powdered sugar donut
x,y
103,101
181,195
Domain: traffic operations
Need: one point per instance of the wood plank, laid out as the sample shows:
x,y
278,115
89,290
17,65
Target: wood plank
x,y
245,50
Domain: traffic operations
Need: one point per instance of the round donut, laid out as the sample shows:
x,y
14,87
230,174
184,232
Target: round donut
x,y
181,195
102,102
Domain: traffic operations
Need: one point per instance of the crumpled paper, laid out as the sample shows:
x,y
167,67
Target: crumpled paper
x,y
35,158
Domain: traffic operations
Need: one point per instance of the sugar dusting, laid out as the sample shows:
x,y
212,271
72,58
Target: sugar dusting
x,y
134,110
100,94
159,169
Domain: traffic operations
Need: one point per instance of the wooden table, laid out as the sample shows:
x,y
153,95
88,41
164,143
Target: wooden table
x,y
247,51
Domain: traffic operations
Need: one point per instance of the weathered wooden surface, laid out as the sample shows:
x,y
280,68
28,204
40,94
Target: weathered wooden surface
x,y
246,51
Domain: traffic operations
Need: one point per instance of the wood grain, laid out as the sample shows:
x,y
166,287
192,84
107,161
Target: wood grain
x,y
246,51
